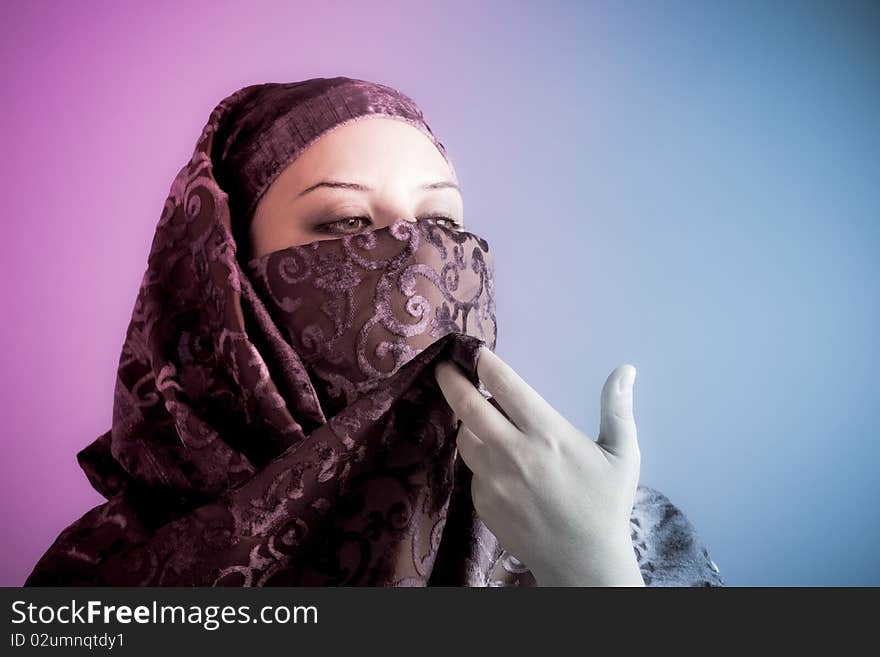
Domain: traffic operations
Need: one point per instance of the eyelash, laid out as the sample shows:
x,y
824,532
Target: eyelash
x,y
324,228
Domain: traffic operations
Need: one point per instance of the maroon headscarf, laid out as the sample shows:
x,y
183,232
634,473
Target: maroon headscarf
x,y
276,421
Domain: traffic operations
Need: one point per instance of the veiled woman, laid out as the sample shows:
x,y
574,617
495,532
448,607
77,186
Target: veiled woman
x,y
308,392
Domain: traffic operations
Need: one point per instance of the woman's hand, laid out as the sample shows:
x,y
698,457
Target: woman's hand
x,y
554,498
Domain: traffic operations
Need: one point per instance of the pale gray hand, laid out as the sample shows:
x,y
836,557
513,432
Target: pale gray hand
x,y
553,497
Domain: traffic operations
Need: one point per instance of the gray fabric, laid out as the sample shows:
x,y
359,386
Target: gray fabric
x,y
668,548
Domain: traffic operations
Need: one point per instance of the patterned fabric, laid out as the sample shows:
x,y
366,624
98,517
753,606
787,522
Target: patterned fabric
x,y
276,420
357,309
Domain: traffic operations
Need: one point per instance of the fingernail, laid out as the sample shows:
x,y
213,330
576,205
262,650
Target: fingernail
x,y
627,379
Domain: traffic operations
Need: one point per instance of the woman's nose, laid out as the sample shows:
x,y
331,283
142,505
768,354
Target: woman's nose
x,y
393,204
390,220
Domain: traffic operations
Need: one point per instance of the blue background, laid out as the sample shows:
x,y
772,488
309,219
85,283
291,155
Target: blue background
x,y
694,188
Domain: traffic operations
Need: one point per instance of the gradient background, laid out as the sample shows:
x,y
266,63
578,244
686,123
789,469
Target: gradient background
x,y
689,187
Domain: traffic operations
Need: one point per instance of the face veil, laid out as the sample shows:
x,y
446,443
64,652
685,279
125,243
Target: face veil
x,y
276,420
358,308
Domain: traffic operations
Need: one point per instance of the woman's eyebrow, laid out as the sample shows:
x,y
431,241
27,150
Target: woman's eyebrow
x,y
442,184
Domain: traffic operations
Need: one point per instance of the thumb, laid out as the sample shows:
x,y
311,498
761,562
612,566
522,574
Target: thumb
x,y
617,425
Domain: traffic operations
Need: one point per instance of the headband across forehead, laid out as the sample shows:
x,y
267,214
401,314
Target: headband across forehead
x,y
272,124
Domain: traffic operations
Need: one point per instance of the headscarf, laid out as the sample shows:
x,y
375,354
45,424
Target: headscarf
x,y
276,420
303,441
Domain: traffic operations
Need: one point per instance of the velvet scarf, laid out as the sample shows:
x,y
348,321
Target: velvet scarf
x,y
277,422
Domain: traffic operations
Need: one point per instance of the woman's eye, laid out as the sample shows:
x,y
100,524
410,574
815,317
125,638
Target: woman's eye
x,y
350,225
345,225
447,221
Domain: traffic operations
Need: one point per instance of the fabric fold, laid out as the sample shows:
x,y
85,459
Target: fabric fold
x,y
356,503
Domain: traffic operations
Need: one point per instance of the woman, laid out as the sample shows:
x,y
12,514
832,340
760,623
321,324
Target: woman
x,y
308,392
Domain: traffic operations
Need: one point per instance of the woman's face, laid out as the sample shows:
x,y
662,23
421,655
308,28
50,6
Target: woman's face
x,y
360,176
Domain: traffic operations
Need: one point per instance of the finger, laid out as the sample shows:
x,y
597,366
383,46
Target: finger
x,y
617,425
473,450
472,408
525,407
